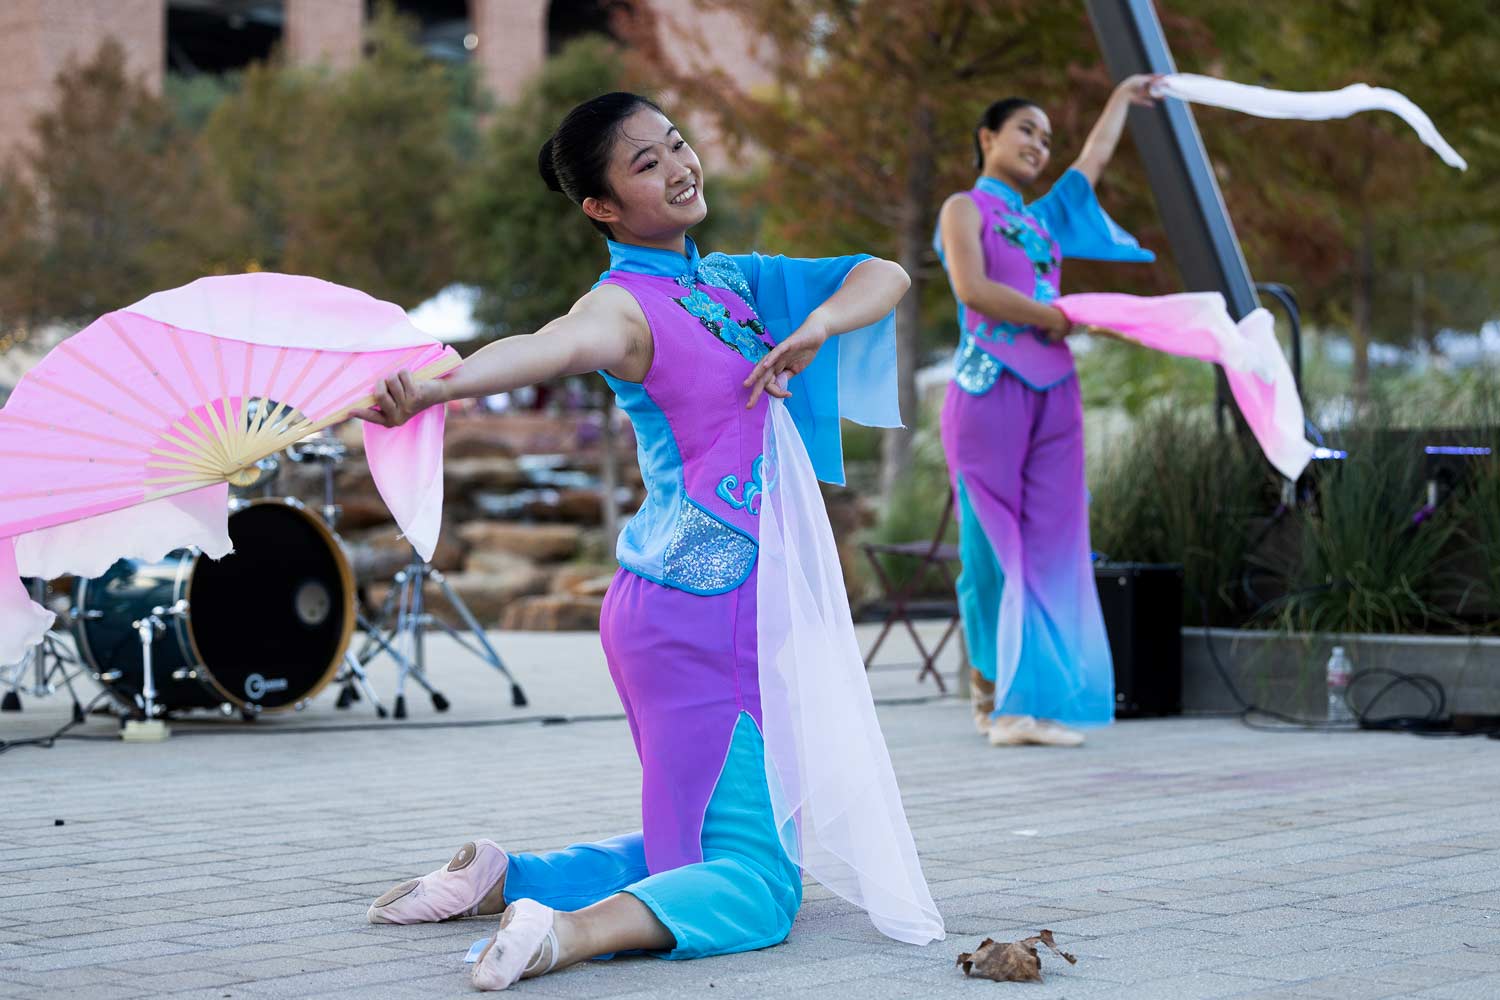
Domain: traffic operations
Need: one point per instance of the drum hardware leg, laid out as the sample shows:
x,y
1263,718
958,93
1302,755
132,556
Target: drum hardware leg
x,y
357,682
150,729
517,696
422,620
412,630
61,660
405,606
12,700
50,664
368,649
404,633
419,674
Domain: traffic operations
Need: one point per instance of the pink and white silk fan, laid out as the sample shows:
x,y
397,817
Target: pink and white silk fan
x,y
122,441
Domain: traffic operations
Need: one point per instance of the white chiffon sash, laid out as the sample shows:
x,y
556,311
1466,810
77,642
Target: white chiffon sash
x,y
833,787
1320,105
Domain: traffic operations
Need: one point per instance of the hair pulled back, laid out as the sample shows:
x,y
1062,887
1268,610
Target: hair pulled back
x,y
994,117
575,158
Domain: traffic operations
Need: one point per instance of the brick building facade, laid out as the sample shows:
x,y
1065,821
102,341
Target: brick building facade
x,y
508,39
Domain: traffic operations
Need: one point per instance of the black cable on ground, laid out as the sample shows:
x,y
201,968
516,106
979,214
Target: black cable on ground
x,y
46,742
211,727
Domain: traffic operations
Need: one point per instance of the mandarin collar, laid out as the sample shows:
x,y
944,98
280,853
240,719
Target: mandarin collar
x,y
1001,190
648,260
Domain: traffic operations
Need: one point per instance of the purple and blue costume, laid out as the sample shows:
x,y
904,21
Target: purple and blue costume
x,y
1012,428
680,626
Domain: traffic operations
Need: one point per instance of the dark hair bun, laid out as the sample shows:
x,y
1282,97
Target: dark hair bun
x,y
575,161
546,168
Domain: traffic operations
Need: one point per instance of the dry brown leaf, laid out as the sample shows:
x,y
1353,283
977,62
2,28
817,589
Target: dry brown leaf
x,y
1010,961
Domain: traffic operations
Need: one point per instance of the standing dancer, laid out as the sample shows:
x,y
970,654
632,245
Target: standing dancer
x,y
698,351
1012,425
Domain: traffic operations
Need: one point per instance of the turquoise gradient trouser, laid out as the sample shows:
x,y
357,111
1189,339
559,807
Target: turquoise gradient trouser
x,y
743,895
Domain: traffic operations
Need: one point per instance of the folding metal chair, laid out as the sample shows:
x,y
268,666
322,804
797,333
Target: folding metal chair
x,y
931,556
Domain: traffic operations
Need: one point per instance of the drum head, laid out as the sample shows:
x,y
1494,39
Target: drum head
x,y
271,622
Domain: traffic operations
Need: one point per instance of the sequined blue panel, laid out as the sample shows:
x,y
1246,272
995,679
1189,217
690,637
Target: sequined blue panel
x,y
719,270
974,370
705,555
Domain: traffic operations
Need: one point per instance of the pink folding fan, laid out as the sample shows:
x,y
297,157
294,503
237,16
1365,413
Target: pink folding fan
x,y
121,441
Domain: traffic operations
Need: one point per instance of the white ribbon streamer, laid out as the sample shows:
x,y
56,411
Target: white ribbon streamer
x,y
1321,105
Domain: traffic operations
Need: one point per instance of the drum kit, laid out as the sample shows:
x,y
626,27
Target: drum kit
x,y
263,630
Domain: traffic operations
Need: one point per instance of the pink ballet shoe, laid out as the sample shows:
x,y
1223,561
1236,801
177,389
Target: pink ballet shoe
x,y
524,947
455,890
1018,730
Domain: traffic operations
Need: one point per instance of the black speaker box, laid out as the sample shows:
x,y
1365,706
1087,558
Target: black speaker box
x,y
1142,605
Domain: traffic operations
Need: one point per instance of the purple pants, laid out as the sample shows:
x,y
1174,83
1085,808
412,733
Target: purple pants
x,y
685,667
1027,594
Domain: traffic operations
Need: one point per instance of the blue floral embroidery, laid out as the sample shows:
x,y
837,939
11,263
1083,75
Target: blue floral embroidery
x,y
1044,261
748,338
750,494
1037,248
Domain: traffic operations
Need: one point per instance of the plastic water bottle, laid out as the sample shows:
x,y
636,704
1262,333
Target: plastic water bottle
x,y
1339,671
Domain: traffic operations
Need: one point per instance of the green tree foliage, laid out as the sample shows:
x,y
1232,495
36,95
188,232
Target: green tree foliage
x,y
530,250
254,139
342,176
866,124
111,201
1373,230
376,159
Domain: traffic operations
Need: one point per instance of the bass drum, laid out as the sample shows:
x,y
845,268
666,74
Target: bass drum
x,y
266,627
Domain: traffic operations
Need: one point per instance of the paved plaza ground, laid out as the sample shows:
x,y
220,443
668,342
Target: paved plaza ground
x,y
1180,858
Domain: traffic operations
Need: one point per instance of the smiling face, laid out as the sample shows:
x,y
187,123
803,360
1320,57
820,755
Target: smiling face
x,y
1017,152
655,183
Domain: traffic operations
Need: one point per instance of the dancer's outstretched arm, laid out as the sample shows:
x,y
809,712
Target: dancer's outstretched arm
x,y
604,330
1105,135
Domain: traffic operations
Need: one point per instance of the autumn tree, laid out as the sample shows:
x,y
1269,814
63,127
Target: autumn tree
x,y
1393,244
342,176
529,250
865,125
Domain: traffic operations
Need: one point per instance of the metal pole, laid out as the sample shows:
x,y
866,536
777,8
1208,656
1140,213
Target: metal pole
x,y
1182,179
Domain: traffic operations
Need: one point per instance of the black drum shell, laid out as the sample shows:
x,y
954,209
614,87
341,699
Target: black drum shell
x,y
267,625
